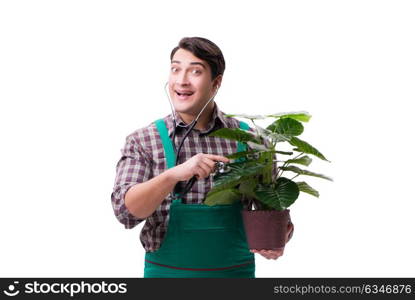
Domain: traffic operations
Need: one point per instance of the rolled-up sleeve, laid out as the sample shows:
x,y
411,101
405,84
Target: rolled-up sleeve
x,y
134,166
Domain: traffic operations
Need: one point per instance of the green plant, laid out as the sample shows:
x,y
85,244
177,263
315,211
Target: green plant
x,y
251,173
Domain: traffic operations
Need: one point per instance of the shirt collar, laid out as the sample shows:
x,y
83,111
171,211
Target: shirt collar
x,y
218,117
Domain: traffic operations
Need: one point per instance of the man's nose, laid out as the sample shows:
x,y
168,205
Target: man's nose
x,y
182,79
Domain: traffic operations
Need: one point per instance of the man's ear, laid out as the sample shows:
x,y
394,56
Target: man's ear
x,y
217,82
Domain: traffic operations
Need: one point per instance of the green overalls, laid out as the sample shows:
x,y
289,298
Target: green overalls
x,y
201,240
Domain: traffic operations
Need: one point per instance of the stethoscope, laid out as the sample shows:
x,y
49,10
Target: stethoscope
x,y
174,194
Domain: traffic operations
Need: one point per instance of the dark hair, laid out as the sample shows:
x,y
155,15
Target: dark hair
x,y
206,50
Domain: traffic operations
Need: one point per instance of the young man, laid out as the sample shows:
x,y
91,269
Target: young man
x,y
183,237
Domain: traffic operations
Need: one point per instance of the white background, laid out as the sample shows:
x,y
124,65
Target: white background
x,y
76,77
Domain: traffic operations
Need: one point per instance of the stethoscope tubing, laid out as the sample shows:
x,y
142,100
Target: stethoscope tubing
x,y
192,181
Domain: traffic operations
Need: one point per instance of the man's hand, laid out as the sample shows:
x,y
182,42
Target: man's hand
x,y
274,254
201,165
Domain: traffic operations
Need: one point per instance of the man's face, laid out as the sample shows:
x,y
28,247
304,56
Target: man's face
x,y
190,83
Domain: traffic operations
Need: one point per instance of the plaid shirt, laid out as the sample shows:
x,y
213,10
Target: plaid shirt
x,y
143,158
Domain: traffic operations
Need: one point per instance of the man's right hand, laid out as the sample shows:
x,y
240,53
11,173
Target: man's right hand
x,y
201,165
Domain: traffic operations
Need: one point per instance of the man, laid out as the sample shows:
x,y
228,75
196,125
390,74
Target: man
x,y
182,237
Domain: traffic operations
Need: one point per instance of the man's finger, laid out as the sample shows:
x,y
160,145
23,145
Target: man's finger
x,y
269,254
218,158
274,254
205,168
209,162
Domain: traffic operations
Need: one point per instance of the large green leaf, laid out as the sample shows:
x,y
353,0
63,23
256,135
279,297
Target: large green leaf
x,y
287,127
235,134
238,170
280,137
304,187
222,197
241,154
251,154
303,160
303,146
229,184
262,132
302,116
279,195
247,187
304,172
257,146
246,116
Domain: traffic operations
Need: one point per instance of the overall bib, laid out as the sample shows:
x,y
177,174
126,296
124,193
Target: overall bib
x,y
201,240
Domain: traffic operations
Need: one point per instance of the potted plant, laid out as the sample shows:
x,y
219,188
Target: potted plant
x,y
256,174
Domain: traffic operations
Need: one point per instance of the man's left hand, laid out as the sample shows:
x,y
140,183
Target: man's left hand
x,y
274,254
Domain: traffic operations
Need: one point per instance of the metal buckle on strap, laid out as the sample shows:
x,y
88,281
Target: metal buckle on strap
x,y
173,196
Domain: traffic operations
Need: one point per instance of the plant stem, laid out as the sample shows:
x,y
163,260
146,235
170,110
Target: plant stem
x,y
282,171
256,128
299,155
295,176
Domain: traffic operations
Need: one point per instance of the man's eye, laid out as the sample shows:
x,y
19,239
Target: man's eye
x,y
197,71
173,69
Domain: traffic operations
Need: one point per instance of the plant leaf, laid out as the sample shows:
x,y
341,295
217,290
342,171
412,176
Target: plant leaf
x,y
302,116
222,197
287,127
257,146
250,153
241,154
303,146
235,134
303,160
304,172
262,132
225,185
246,116
304,187
279,195
247,187
284,153
280,137
238,170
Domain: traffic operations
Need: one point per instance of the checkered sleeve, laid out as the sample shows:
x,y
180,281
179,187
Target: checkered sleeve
x,y
133,167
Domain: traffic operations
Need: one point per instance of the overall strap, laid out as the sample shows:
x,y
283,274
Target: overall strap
x,y
167,143
241,146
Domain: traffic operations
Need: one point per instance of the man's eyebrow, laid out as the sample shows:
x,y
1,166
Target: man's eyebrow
x,y
192,63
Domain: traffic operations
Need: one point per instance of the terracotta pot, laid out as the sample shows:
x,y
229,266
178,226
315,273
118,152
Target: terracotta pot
x,y
266,229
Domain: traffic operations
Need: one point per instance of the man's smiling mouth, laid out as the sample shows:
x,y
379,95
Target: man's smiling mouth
x,y
184,95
